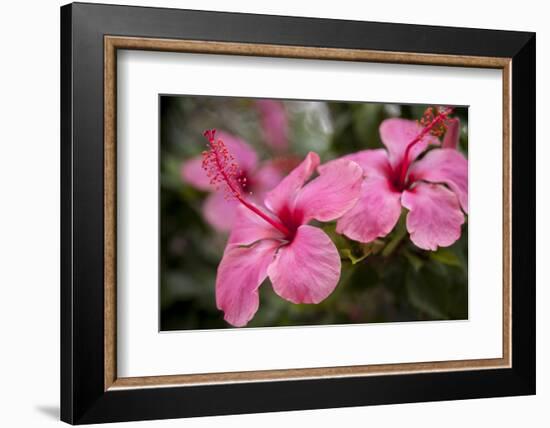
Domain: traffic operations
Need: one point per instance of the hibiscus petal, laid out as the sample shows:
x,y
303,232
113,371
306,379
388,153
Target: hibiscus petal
x,y
249,228
396,134
447,166
219,211
308,269
265,179
240,274
283,195
243,153
452,135
374,162
375,214
274,123
330,195
434,218
192,173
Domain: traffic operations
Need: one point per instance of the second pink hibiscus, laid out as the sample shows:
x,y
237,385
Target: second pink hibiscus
x,y
433,188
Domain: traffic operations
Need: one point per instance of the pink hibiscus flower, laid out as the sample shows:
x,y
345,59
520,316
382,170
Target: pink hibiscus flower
x,y
433,188
274,123
258,178
275,240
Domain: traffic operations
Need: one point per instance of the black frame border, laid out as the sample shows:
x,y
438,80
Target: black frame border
x,y
83,399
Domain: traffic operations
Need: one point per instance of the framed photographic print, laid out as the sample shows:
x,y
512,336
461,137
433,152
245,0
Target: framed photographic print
x,y
266,213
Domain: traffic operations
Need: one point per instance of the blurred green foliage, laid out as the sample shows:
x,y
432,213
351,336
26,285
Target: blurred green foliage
x,y
388,280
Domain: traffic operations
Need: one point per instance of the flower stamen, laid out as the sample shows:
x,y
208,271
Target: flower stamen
x,y
434,124
223,170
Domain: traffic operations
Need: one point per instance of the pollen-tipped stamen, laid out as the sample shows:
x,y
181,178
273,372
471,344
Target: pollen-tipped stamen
x,y
221,168
434,125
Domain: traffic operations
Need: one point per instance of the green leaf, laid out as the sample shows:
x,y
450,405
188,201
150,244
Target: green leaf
x,y
428,291
446,256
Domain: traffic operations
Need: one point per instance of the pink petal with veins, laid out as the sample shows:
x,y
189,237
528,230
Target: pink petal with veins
x,y
284,194
375,214
375,162
332,193
308,269
446,166
434,218
249,228
240,274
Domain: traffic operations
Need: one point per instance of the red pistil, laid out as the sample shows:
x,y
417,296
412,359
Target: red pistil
x,y
222,169
434,125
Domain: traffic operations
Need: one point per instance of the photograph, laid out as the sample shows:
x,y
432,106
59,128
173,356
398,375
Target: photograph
x,y
281,212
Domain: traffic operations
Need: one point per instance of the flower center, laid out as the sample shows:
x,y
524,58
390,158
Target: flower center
x,y
434,124
223,171
292,219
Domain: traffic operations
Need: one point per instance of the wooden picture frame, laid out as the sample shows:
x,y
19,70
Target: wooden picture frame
x,y
91,390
